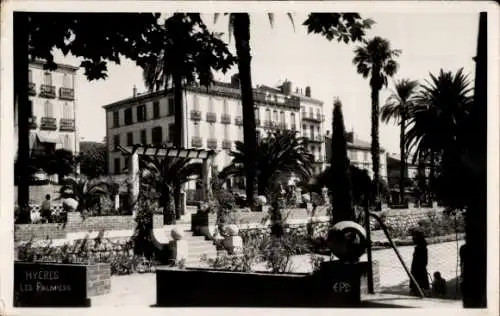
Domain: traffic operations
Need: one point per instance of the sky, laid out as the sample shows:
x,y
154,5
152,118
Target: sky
x,y
429,42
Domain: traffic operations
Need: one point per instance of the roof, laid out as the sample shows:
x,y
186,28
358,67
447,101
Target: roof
x,y
224,89
62,66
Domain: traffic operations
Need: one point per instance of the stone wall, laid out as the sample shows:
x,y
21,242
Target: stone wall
x,y
406,218
98,279
75,224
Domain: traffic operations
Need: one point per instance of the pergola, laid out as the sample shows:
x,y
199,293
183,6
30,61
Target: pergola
x,y
167,152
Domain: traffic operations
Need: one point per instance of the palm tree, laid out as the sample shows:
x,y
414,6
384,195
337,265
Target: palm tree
x,y
396,107
375,59
341,26
190,54
160,175
280,153
435,120
87,192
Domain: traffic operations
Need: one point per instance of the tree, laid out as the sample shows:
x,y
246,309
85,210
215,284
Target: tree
x,y
189,54
93,159
375,59
281,152
160,175
95,38
61,162
340,179
440,107
342,26
396,108
87,192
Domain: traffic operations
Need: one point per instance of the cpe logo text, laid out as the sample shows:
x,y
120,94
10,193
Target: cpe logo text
x,y
341,287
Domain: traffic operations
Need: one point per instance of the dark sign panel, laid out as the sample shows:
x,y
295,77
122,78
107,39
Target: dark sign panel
x,y
50,285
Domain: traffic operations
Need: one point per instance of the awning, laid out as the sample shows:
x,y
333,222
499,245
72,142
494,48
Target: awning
x,y
44,137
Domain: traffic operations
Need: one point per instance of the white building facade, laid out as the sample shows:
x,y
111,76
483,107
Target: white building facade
x,y
212,118
53,123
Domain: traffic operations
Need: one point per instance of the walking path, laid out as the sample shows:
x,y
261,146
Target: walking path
x,y
140,289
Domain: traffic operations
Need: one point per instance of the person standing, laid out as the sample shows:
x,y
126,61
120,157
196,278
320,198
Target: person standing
x,y
419,264
46,209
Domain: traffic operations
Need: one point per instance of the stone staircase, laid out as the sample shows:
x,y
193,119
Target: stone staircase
x,y
198,246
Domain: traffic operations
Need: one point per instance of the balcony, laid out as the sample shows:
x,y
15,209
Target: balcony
x,y
32,122
196,142
31,88
238,120
315,139
318,118
211,117
227,144
212,143
67,125
47,91
225,119
66,94
195,115
48,123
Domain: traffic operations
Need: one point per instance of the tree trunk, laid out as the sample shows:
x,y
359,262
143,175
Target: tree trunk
x,y
168,213
21,68
179,134
375,148
242,41
475,264
177,200
402,165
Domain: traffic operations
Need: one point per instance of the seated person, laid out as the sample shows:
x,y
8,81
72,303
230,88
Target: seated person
x,y
438,285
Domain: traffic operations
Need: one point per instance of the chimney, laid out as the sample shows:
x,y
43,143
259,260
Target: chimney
x,y
134,91
286,88
308,91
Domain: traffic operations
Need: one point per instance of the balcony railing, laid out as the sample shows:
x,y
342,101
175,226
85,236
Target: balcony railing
x,y
211,117
225,119
32,122
48,123
313,118
47,91
314,138
195,115
67,125
238,120
196,142
212,143
66,93
31,88
227,144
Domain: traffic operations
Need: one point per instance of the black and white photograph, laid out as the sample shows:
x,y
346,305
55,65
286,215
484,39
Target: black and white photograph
x,y
232,154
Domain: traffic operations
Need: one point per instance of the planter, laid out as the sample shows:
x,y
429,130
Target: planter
x,y
39,284
217,288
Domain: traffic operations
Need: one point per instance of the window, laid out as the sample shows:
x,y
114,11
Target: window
x,y
196,102
318,114
311,130
156,135
130,139
30,75
67,81
128,116
144,137
257,113
210,104
141,113
211,130
226,131
47,78
303,109
268,115
196,129
226,107
117,166
116,120
171,132
292,119
68,111
67,142
116,141
48,109
275,116
282,117
171,107
156,109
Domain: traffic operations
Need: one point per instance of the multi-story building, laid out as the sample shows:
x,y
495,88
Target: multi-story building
x,y
359,153
213,119
53,109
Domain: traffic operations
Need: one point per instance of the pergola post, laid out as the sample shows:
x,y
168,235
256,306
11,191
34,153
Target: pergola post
x,y
134,182
206,178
